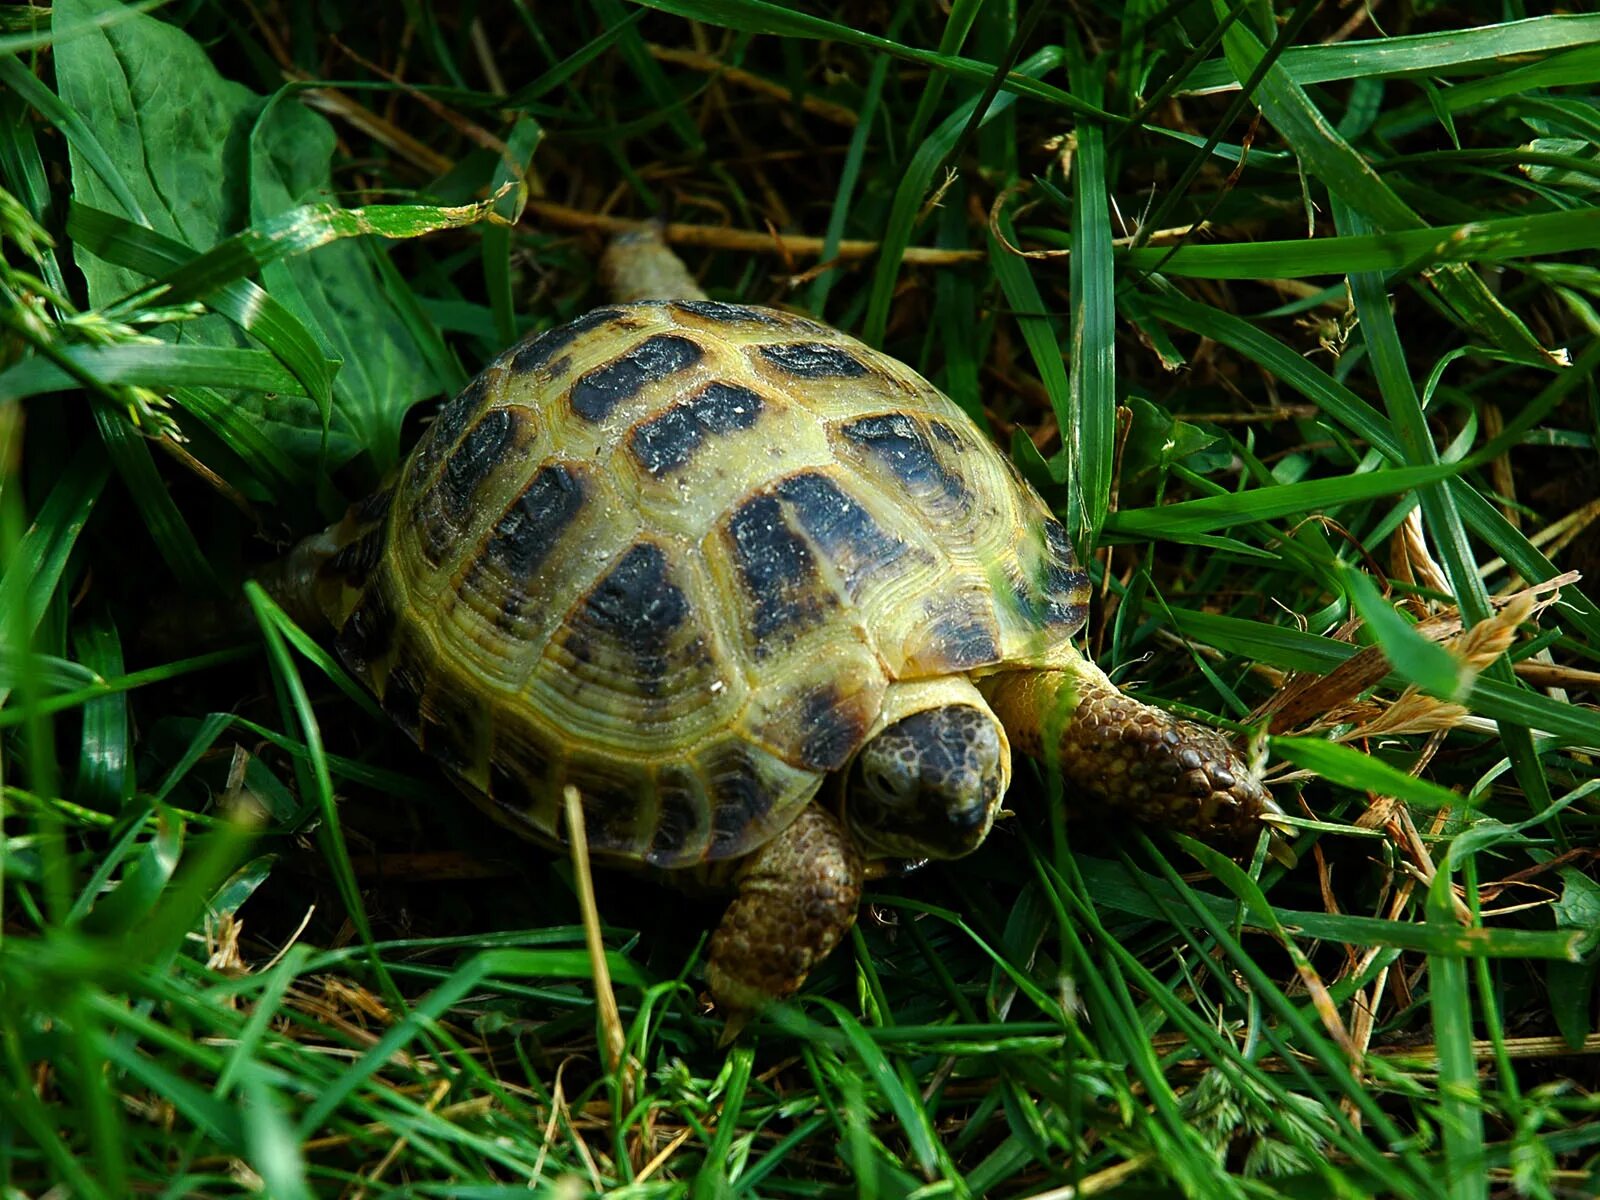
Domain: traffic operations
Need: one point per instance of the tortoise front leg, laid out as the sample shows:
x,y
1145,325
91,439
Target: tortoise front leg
x,y
1132,757
797,896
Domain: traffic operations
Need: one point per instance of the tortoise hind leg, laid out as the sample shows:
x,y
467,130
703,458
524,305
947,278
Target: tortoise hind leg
x,y
640,266
797,896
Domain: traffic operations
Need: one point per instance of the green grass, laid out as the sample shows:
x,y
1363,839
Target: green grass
x,y
253,943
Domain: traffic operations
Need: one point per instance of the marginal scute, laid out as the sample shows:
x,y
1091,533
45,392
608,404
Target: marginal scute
x,y
831,728
522,765
815,722
955,635
376,506
511,792
740,797
355,562
367,635
536,351
611,810
682,824
1064,584
403,687
442,511
453,725
447,427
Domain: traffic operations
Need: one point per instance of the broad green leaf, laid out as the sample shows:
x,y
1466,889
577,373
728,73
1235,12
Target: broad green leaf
x,y
251,310
335,290
166,147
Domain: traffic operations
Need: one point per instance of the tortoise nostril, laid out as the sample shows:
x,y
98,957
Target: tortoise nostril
x,y
965,820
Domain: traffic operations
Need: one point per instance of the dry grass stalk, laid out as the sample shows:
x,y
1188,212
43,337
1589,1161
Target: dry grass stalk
x,y
613,1039
1311,703
826,110
1412,562
440,1091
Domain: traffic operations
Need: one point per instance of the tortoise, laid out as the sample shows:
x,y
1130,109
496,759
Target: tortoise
x,y
763,594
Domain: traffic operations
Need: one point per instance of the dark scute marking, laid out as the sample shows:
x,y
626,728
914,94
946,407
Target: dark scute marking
x,y
667,442
510,791
610,813
678,819
947,435
726,314
451,727
535,521
1062,582
831,729
602,389
814,360
848,535
368,632
402,692
739,799
447,426
961,640
896,440
354,562
637,606
523,758
375,507
779,572
537,351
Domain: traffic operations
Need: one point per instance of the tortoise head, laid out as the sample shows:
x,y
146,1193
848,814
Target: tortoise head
x,y
928,784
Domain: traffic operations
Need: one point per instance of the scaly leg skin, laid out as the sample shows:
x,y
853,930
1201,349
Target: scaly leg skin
x,y
1133,758
797,896
640,266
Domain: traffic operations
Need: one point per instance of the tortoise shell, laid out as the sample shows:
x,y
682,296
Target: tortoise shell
x,y
673,553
